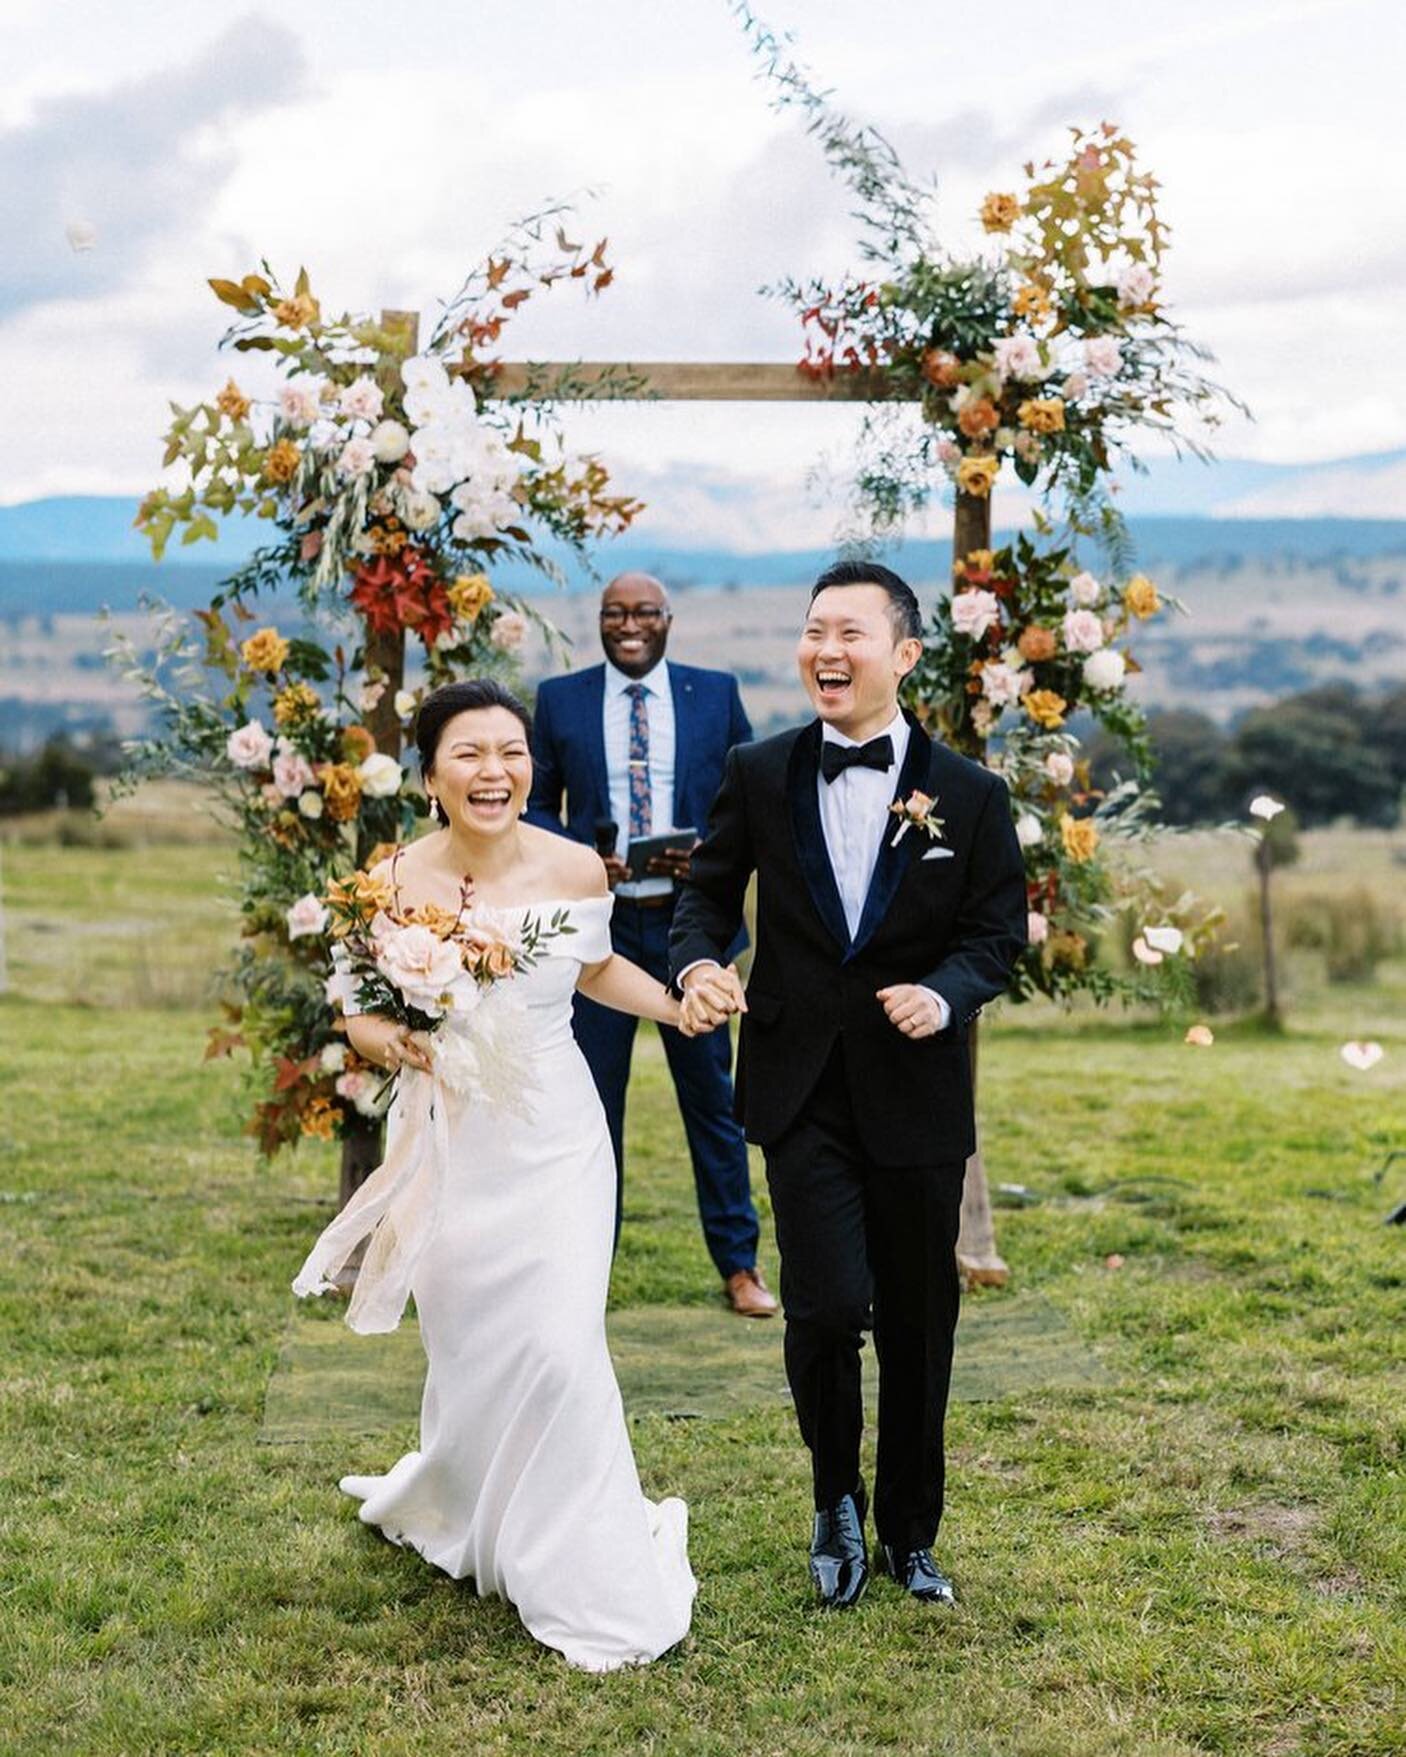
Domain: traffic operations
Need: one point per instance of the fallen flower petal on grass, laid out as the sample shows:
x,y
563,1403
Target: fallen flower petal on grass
x,y
1362,1055
1113,1261
1201,1036
1266,807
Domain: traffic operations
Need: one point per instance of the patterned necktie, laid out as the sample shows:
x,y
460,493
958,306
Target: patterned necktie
x,y
641,804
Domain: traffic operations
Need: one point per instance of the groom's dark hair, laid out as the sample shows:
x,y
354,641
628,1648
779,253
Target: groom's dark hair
x,y
441,705
904,611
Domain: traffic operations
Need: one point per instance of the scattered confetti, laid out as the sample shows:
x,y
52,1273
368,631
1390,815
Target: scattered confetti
x,y
1113,1261
1362,1055
1263,805
1201,1036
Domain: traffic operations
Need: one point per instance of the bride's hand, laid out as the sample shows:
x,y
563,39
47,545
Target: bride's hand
x,y
390,1045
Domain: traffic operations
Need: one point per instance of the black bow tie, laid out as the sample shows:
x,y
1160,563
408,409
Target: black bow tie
x,y
834,758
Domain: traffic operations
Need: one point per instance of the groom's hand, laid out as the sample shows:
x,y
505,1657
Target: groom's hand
x,y
916,1011
711,995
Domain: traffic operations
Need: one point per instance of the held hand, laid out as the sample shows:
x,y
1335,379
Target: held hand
x,y
392,1046
914,1010
673,863
715,994
615,869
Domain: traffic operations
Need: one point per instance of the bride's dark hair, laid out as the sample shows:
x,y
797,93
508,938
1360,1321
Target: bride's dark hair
x,y
442,704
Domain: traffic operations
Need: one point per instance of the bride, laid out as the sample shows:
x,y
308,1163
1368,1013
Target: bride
x,y
524,1480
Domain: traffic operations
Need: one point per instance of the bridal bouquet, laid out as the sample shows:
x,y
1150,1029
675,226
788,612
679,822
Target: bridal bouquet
x,y
422,966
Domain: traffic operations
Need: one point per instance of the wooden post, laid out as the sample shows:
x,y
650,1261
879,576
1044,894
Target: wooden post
x,y
1264,861
363,1137
978,1259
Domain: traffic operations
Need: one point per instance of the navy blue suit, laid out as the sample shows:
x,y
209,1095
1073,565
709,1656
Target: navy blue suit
x,y
569,764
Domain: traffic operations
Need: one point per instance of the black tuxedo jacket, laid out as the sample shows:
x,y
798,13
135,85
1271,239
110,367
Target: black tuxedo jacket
x,y
953,920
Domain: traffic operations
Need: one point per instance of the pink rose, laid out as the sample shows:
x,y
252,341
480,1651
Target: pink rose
x,y
250,747
420,964
1018,357
1059,766
1083,631
948,451
1002,684
352,1085
509,631
357,458
1135,285
1037,928
1103,356
1085,590
291,771
299,405
307,916
1074,386
974,611
362,400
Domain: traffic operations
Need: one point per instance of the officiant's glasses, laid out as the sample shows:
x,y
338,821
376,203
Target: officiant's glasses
x,y
646,615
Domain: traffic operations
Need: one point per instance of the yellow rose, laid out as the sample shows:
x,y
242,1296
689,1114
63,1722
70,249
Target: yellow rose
x,y
341,788
1080,837
999,212
976,476
232,402
295,704
1140,596
1044,707
281,462
1066,950
297,312
470,595
1042,414
320,1119
265,650
1034,303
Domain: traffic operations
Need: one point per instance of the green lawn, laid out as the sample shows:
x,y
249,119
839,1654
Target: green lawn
x,y
1204,1552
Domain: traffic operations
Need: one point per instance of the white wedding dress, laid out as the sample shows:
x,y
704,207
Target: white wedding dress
x,y
495,1207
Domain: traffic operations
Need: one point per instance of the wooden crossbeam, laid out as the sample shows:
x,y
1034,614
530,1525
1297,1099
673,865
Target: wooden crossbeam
x,y
698,381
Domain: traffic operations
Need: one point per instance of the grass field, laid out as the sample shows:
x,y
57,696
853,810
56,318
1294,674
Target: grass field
x,y
1204,1552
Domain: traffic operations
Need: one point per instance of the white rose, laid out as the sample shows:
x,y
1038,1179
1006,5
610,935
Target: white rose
x,y
1028,830
1037,928
362,400
419,511
390,442
1074,386
1103,356
356,458
420,964
1004,438
310,804
1059,766
509,631
249,747
1083,631
1085,590
299,405
381,775
1018,357
973,612
333,1058
1105,670
424,372
369,694
1135,285
308,915
404,704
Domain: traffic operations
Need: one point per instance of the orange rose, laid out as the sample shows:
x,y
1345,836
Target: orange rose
x,y
1042,414
441,922
1036,643
320,1119
281,462
265,650
298,312
469,595
232,402
489,960
1080,837
978,417
976,476
341,788
1044,707
360,894
941,369
999,212
357,744
1140,597
1033,303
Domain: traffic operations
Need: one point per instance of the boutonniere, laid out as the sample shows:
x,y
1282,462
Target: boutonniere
x,y
917,809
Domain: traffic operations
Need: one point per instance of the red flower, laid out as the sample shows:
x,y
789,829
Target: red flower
x,y
403,591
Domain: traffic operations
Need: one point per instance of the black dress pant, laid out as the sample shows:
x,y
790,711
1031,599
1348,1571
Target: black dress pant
x,y
861,1242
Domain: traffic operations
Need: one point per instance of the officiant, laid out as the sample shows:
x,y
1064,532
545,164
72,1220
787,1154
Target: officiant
x,y
625,750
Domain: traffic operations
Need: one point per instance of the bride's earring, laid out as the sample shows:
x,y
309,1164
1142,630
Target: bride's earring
x,y
437,810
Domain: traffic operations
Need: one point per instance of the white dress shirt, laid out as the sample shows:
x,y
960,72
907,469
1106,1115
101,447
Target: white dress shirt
x,y
659,715
855,818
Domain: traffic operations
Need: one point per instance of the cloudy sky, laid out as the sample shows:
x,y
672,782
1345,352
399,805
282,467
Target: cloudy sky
x,y
388,147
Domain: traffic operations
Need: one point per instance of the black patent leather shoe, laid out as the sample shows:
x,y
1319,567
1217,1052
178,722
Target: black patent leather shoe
x,y
917,1573
839,1559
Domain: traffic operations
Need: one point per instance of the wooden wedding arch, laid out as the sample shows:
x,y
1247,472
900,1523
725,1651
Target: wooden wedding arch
x,y
709,382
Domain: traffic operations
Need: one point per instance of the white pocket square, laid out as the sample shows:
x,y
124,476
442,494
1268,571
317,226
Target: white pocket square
x,y
938,854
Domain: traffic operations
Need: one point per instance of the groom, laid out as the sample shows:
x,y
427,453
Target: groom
x,y
876,948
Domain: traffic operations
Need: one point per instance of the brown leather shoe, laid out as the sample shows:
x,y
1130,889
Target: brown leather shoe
x,y
749,1296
